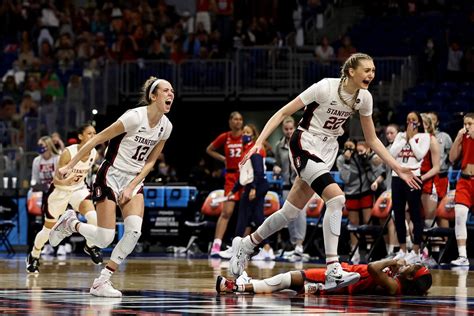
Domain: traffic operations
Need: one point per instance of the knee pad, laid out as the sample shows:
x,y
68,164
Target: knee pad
x,y
91,218
104,237
125,246
278,220
460,229
333,215
289,211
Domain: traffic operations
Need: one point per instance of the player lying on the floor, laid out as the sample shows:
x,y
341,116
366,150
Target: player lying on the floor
x,y
384,277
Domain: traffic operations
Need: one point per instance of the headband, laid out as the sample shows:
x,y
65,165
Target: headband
x,y
421,272
152,88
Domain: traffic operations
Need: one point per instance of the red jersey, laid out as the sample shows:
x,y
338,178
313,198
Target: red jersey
x,y
233,149
426,164
467,151
365,285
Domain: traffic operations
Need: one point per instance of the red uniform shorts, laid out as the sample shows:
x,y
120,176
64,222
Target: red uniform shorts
x,y
364,201
231,179
441,184
465,192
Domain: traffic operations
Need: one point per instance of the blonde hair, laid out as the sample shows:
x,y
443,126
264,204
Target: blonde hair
x,y
145,91
289,119
49,144
428,120
351,62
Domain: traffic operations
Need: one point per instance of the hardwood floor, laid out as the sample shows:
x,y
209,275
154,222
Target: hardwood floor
x,y
187,285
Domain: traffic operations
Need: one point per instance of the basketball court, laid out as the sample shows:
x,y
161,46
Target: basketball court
x,y
184,285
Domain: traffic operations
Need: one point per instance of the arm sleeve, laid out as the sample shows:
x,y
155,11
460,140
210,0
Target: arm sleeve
x,y
130,120
367,103
258,169
420,148
398,143
318,92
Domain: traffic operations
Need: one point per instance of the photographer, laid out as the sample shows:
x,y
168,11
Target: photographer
x,y
356,168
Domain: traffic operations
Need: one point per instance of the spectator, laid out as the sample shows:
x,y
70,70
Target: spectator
x,y
354,165
57,142
346,49
429,62
409,148
283,168
429,170
463,149
324,52
7,113
32,88
50,85
75,99
10,89
49,112
203,16
46,55
455,55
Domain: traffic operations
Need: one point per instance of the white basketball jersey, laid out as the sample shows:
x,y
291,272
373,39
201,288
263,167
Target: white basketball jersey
x,y
325,113
80,170
129,151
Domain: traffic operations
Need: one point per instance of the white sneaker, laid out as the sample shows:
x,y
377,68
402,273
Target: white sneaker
x,y
104,288
264,255
240,257
337,278
313,288
68,247
62,228
61,251
412,257
226,254
400,255
243,279
460,262
47,250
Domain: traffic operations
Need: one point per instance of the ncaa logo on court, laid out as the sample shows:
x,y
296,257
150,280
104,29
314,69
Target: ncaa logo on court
x,y
98,192
297,162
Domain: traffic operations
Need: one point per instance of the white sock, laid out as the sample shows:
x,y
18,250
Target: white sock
x,y
106,273
274,284
462,251
217,241
40,240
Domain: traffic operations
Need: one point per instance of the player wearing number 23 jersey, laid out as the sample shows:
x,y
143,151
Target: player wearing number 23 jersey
x,y
127,153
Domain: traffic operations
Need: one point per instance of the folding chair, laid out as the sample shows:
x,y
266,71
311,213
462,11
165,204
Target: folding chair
x,y
211,210
445,210
382,210
8,213
272,203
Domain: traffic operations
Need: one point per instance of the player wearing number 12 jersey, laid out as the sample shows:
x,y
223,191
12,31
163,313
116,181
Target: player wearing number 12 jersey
x,y
313,149
137,139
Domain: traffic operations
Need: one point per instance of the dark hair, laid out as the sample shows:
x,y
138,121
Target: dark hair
x,y
420,286
83,127
231,116
421,128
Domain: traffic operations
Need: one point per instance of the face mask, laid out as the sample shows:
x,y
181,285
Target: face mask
x,y
246,139
41,149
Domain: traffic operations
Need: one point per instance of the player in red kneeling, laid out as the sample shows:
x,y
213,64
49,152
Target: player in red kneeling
x,y
384,277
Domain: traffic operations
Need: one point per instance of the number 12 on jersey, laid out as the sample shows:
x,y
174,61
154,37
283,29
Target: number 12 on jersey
x,y
140,153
